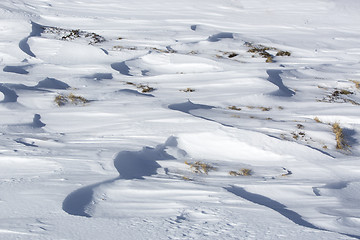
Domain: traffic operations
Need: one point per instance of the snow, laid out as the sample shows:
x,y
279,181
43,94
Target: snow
x,y
162,101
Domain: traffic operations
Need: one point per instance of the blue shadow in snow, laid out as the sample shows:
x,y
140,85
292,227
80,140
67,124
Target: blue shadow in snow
x,y
219,36
134,93
9,95
274,77
188,106
278,207
52,83
130,165
8,89
122,68
36,31
16,69
100,76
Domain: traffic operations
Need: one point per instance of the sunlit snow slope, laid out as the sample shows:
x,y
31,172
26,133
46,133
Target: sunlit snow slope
x,y
232,119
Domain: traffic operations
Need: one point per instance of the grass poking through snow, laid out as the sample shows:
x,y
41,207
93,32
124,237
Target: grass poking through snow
x,y
339,136
241,172
200,167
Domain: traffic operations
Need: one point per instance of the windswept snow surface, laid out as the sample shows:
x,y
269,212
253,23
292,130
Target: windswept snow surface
x,y
107,108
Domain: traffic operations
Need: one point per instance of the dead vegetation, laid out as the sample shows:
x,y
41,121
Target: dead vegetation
x,y
317,120
72,34
234,108
265,52
119,48
283,53
339,136
144,88
264,109
357,83
167,50
338,96
188,90
241,172
62,100
200,167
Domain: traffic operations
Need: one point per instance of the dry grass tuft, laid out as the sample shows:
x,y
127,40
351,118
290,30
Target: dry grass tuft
x,y
241,172
317,120
339,136
265,109
283,53
300,126
62,100
234,108
200,167
357,83
188,90
186,178
77,99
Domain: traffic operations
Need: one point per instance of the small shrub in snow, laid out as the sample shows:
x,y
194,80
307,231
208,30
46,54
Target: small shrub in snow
x,y
72,34
339,96
62,100
142,87
300,126
265,109
77,99
200,167
339,136
234,108
232,55
317,120
188,90
241,172
145,88
357,83
186,178
263,51
283,53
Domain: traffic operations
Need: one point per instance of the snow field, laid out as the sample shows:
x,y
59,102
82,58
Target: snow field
x,y
153,90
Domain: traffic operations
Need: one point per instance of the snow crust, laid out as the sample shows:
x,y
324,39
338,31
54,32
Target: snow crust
x,y
137,119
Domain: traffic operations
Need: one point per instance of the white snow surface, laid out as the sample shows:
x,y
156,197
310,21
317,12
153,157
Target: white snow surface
x,y
118,165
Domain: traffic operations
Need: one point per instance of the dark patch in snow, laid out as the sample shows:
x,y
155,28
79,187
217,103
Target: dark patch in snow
x,y
16,69
193,27
52,83
219,36
36,32
144,72
136,165
25,143
122,68
316,191
130,165
9,95
77,202
274,205
278,207
36,122
134,93
105,51
100,76
186,107
274,77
